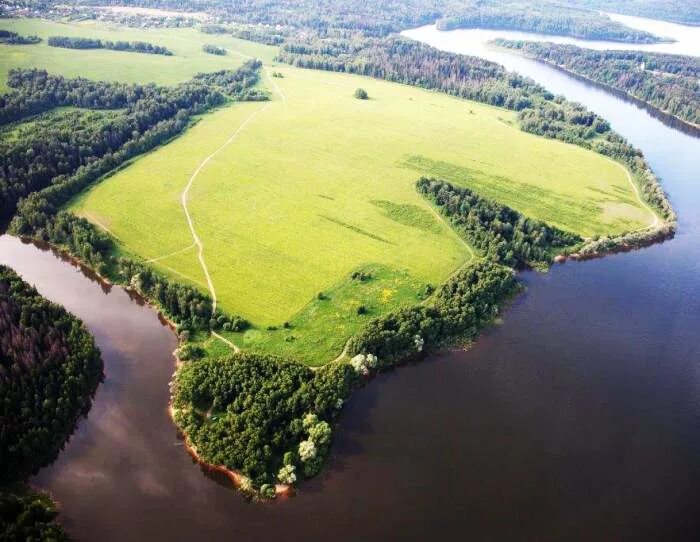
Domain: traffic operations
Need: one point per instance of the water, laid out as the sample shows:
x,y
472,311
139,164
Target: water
x,y
475,41
577,419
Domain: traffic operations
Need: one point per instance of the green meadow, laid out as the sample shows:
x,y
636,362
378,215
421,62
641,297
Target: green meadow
x,y
100,64
301,192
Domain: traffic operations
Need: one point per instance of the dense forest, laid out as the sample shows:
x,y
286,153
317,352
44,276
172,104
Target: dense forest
x,y
501,233
28,516
670,83
89,43
49,370
70,150
263,416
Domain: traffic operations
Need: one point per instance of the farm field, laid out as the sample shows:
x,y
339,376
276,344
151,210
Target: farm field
x,y
100,64
304,190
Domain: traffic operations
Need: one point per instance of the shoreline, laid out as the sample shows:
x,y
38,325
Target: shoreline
x,y
667,118
235,477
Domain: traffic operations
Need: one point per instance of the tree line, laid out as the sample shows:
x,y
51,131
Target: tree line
x,y
58,147
213,49
29,515
13,38
501,233
667,82
68,42
546,17
460,308
71,150
151,116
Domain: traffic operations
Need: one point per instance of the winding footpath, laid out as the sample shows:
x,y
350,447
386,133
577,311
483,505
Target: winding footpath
x,y
190,222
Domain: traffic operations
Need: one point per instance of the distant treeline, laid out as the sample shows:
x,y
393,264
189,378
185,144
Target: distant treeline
x,y
501,233
547,18
258,34
49,371
213,49
12,38
677,11
90,43
670,83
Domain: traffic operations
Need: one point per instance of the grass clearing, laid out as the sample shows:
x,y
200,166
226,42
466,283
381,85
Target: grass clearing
x,y
322,184
101,64
318,185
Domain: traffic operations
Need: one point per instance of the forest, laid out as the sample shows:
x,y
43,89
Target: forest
x,y
545,18
88,43
49,371
670,83
263,416
458,311
72,148
27,515
501,233
331,18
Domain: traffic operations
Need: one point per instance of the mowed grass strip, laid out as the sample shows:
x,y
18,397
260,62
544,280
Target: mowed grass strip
x,y
100,64
322,184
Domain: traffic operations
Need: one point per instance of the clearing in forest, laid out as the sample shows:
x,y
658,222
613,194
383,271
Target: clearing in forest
x,y
318,185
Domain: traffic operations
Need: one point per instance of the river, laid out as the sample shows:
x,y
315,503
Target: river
x,y
575,419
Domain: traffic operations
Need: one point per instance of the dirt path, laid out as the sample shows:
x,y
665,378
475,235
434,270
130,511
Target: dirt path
x,y
183,199
190,221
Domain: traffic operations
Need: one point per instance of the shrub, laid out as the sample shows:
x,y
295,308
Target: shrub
x,y
361,94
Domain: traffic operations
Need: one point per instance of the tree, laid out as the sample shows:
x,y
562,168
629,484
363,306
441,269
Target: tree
x,y
361,94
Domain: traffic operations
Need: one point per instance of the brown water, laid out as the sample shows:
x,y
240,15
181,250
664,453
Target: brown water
x,y
577,419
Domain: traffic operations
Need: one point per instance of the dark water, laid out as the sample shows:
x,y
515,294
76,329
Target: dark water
x,y
577,419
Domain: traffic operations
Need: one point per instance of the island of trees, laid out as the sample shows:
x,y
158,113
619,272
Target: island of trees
x,y
49,371
90,43
669,83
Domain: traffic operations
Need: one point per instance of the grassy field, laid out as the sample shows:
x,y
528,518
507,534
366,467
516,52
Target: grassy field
x,y
320,184
301,192
186,44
